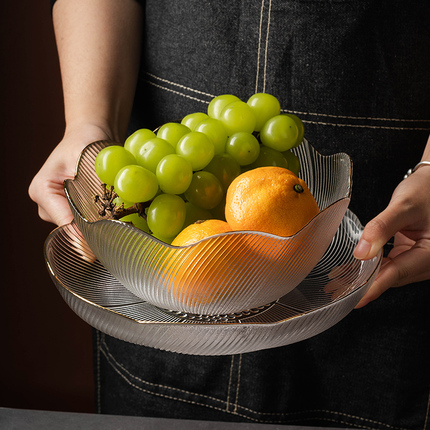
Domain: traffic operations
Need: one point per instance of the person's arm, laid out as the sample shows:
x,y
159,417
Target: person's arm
x,y
98,45
407,218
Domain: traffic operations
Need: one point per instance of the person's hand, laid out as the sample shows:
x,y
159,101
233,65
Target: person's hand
x,y
46,188
407,218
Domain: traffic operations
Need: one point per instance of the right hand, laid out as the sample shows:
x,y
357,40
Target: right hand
x,y
46,188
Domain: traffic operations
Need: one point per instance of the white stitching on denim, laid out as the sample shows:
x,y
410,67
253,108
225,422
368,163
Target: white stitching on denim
x,y
109,357
112,360
239,369
179,85
177,92
380,127
355,117
265,48
267,44
334,124
227,407
259,46
117,366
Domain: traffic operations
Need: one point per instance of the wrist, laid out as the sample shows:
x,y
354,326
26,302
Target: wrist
x,y
90,132
419,165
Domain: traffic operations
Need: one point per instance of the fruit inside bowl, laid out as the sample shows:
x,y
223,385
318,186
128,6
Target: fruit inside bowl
x,y
228,272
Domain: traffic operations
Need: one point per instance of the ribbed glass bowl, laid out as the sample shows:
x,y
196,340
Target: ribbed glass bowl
x,y
223,274
330,291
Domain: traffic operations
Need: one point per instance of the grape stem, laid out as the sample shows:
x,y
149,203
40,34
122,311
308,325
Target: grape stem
x,y
110,210
120,211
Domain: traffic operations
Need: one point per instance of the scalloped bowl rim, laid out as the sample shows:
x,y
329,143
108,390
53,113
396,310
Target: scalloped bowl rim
x,y
236,232
228,233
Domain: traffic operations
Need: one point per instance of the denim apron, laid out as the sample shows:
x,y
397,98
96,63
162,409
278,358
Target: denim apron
x,y
358,74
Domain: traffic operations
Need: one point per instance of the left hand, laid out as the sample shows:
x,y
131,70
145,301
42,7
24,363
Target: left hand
x,y
407,218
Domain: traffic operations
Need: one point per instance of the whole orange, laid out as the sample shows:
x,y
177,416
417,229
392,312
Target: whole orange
x,y
269,199
200,230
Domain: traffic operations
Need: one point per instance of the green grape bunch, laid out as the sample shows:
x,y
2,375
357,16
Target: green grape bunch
x,y
162,181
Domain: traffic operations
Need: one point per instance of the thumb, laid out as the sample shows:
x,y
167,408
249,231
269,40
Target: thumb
x,y
377,233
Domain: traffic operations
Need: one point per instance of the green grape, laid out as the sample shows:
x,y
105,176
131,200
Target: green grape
x,y
194,213
192,119
217,104
110,160
172,132
280,132
225,168
152,152
269,157
136,184
215,130
137,139
137,221
238,116
301,128
205,190
168,240
264,106
197,148
243,147
174,174
293,161
166,215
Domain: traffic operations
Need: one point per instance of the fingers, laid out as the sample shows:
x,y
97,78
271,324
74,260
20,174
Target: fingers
x,y
377,233
405,212
59,212
399,269
408,211
52,204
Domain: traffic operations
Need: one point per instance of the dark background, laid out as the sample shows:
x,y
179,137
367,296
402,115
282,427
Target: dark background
x,y
46,351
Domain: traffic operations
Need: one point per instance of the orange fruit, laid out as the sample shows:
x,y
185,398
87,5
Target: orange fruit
x,y
269,199
200,230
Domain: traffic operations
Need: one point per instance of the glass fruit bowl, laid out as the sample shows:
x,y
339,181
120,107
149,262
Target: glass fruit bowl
x,y
223,274
327,295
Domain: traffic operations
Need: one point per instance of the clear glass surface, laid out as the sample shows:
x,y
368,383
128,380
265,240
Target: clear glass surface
x,y
329,292
224,274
